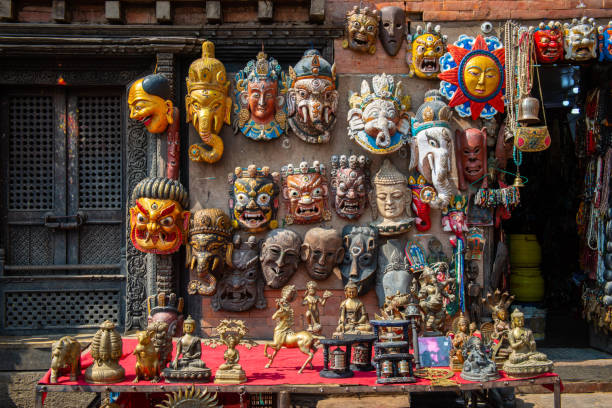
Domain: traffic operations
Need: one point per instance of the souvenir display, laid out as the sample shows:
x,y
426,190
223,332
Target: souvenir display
x,y
472,76
312,99
548,40
166,308
361,30
106,348
394,362
242,285
471,155
190,397
279,257
604,42
158,218
187,364
431,295
436,251
393,275
453,216
379,121
425,48
477,366
162,341
260,99
580,39
337,363
65,359
150,103
350,185
305,192
360,256
392,29
498,303
312,301
322,252
393,200
431,149
459,336
253,199
284,336
147,359
524,361
422,194
353,316
231,333
209,249
208,104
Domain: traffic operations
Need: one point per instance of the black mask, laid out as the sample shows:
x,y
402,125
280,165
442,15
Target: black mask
x,y
392,29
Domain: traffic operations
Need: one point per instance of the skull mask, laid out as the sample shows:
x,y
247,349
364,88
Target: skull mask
x,y
305,192
280,255
392,29
580,40
360,256
350,185
322,252
549,42
253,198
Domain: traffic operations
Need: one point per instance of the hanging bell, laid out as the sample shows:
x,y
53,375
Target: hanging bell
x,y
518,181
529,107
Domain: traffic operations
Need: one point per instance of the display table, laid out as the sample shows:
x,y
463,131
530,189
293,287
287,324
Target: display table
x,y
281,378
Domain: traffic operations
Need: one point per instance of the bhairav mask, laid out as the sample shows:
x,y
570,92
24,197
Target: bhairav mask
x,y
312,99
392,200
280,255
548,40
209,249
580,39
360,256
605,42
260,99
158,221
305,192
322,252
392,29
208,104
350,185
471,155
166,308
253,198
431,147
242,286
425,48
150,103
361,30
379,120
422,193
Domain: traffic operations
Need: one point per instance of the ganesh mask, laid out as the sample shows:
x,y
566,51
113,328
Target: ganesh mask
x,y
471,155
360,256
361,30
605,42
253,198
392,29
580,40
454,216
350,185
426,47
305,192
322,252
279,257
150,103
158,221
422,192
549,42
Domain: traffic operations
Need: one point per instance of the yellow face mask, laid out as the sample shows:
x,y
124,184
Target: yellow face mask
x,y
426,52
158,226
153,111
481,76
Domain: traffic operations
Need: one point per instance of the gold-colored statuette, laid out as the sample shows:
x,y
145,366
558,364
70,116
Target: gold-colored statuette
x,y
353,316
147,363
231,333
190,397
312,301
106,348
459,336
187,364
65,358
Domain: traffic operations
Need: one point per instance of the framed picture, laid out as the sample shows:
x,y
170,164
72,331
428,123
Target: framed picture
x,y
434,351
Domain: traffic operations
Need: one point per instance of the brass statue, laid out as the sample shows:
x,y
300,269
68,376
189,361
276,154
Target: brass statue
x,y
187,363
312,301
162,341
190,397
147,364
431,298
284,336
65,358
231,333
106,348
498,303
524,361
459,335
353,316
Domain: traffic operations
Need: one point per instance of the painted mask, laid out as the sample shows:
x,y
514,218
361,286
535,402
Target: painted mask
x,y
305,192
580,39
453,216
471,155
379,120
392,28
312,99
548,40
393,271
158,221
150,102
322,252
604,42
208,104
360,256
475,243
472,76
209,250
422,193
280,255
393,200
426,47
361,30
350,185
242,286
253,198
166,308
260,99
431,148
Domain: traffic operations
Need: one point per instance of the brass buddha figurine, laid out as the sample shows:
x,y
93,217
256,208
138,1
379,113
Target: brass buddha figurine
x,y
393,200
353,316
459,338
187,363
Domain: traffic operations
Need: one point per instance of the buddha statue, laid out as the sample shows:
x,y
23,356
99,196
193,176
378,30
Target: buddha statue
x,y
393,200
353,316
459,338
187,364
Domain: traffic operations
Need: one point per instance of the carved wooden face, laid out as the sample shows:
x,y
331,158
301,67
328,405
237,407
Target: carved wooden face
x,y
351,192
392,29
472,152
321,252
262,98
392,199
280,255
253,202
361,32
381,117
153,111
549,44
313,103
237,290
426,52
307,197
158,226
360,256
208,253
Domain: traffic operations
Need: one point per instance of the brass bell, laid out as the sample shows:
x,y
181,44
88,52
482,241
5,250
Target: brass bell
x,y
518,181
528,110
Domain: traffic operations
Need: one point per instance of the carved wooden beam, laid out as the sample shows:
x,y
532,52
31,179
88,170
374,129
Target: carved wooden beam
x,y
265,11
7,10
59,11
317,11
213,12
163,11
113,11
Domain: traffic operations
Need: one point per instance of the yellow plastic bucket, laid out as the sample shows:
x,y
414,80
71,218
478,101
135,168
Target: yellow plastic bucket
x,y
527,284
525,251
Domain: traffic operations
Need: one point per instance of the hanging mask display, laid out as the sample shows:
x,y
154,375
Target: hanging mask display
x,y
604,42
422,194
379,120
471,155
392,29
208,104
393,200
158,220
472,76
312,98
279,257
431,147
425,48
350,183
361,30
260,99
149,100
548,40
322,252
305,192
253,199
360,256
580,40
454,216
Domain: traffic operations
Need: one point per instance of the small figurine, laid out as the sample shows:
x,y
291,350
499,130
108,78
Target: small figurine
x,y
604,42
322,252
149,100
361,29
498,303
231,333
392,29
580,39
65,358
312,301
162,341
422,194
477,366
280,256
350,183
353,316
459,335
360,256
424,50
166,307
393,200
471,155
147,364
548,40
106,349
473,290
454,216
305,192
393,276
431,298
187,363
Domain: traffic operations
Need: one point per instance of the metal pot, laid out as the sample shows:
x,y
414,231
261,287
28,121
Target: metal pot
x,y
528,110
